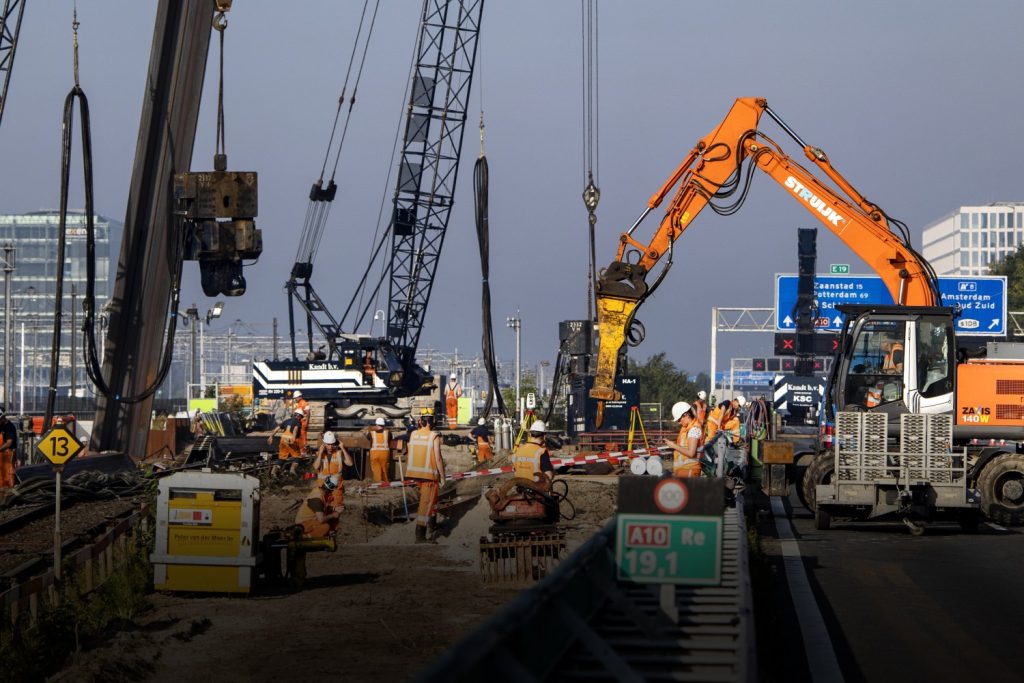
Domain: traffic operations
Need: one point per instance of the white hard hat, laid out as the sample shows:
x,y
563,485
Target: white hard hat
x,y
297,394
679,409
741,400
329,438
298,411
702,395
379,422
331,482
481,422
453,376
538,426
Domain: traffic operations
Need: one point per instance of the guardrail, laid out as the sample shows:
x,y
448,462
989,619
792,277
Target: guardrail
x,y
90,566
579,623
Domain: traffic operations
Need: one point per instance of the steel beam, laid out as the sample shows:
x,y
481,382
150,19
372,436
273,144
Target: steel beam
x,y
142,288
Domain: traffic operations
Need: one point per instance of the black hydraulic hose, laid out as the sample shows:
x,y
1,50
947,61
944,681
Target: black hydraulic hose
x,y
92,365
556,382
480,186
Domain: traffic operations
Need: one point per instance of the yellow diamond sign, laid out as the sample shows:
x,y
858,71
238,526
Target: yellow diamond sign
x,y
58,445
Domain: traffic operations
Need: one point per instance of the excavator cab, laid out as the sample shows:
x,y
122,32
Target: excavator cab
x,y
894,359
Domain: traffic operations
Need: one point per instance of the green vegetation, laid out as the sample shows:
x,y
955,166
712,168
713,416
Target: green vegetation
x,y
1013,268
662,382
32,654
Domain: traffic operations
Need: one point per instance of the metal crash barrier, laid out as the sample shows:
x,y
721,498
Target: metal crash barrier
x,y
580,623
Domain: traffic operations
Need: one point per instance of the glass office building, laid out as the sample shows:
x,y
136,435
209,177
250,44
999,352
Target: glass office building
x,y
34,237
968,241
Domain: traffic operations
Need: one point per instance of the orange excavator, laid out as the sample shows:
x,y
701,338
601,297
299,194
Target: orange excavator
x,y
986,392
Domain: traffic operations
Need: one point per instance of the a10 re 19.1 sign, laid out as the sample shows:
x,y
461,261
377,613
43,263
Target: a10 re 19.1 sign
x,y
58,445
681,549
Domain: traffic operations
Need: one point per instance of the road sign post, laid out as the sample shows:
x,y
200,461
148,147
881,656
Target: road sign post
x,y
59,446
656,543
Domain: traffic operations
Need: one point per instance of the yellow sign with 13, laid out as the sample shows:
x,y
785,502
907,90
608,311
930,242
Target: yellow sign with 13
x,y
58,445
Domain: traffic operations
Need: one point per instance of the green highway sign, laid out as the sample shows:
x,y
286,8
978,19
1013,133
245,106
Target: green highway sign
x,y
680,549
839,268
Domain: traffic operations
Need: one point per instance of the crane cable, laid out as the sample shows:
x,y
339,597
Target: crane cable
x,y
591,158
320,198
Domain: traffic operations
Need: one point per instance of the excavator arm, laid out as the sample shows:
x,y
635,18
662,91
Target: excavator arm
x,y
719,167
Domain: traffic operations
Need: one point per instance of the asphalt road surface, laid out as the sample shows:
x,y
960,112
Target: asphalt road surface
x,y
941,607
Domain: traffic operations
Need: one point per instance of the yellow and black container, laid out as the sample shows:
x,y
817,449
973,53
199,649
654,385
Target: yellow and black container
x,y
207,532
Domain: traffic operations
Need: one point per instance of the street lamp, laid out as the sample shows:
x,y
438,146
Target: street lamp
x,y
211,314
8,263
516,324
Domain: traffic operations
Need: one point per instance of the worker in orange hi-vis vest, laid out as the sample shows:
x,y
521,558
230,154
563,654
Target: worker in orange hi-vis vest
x,y
425,465
685,458
291,430
302,405
484,442
452,394
317,515
8,447
331,458
380,449
700,408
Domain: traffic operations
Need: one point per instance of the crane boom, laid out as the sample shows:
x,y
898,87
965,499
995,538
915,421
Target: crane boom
x,y
12,13
714,169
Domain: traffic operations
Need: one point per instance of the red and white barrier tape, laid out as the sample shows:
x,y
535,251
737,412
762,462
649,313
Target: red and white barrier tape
x,y
608,456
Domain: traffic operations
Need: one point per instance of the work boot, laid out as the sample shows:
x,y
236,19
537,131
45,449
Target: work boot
x,y
431,532
421,534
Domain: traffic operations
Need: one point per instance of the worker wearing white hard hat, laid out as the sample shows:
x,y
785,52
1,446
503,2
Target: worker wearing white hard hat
x,y
302,406
318,514
380,449
700,410
531,459
484,444
452,394
685,457
733,420
329,461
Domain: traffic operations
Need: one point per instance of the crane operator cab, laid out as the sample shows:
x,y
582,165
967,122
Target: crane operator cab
x,y
895,359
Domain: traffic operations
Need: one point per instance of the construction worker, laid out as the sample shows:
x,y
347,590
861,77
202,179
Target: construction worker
x,y
531,459
452,394
302,405
685,457
731,420
714,421
198,429
426,465
484,443
380,450
291,430
700,409
369,368
317,514
331,458
8,448
892,364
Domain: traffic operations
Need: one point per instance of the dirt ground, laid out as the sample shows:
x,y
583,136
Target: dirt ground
x,y
380,608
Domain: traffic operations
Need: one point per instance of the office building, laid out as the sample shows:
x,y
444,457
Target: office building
x,y
33,287
971,239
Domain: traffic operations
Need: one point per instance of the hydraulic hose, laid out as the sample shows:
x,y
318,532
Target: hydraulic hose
x,y
480,186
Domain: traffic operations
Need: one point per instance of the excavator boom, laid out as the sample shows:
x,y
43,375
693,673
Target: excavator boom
x,y
718,168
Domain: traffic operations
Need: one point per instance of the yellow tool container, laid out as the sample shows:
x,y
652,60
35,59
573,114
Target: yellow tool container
x,y
207,532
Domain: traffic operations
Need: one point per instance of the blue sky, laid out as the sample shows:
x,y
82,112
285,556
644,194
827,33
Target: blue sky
x,y
917,103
